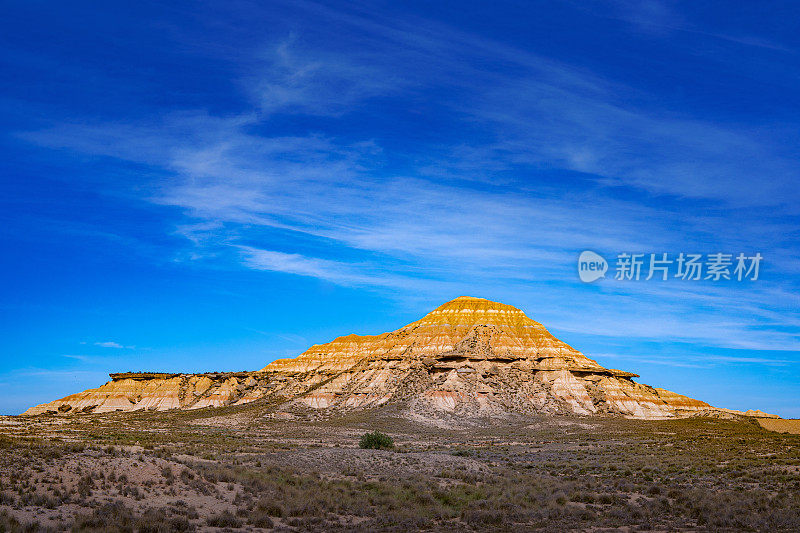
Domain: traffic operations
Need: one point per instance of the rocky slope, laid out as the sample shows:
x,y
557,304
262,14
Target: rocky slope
x,y
469,357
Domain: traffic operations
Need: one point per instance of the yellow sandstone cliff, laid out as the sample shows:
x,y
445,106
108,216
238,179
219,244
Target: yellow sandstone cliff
x,y
468,357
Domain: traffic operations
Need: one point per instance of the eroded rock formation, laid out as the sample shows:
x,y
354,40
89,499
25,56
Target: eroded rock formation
x,y
469,357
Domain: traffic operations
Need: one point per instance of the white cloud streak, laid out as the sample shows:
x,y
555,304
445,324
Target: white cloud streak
x,y
109,344
451,223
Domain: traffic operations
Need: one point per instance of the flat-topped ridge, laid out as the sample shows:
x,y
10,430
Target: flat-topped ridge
x,y
469,357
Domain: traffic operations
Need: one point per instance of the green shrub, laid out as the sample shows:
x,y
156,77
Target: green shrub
x,y
224,519
116,517
376,441
463,453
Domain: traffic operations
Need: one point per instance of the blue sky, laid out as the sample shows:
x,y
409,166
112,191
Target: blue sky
x,y
211,186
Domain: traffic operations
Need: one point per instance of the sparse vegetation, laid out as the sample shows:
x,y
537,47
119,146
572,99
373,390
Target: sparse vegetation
x,y
543,473
376,441
224,519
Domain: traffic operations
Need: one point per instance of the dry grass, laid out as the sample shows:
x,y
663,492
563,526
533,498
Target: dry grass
x,y
206,471
781,425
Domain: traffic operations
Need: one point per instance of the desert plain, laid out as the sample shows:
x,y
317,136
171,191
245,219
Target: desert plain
x,y
252,468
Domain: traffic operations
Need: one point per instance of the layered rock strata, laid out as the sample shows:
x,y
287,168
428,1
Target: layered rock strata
x,y
470,357
131,391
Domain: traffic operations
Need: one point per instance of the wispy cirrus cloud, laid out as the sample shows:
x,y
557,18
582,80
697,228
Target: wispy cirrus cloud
x,y
626,146
109,344
78,357
287,80
698,361
337,272
552,159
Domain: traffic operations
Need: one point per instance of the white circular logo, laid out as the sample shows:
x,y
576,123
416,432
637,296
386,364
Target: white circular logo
x,y
591,266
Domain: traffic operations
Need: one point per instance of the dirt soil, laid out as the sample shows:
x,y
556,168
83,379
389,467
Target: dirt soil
x,y
252,468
